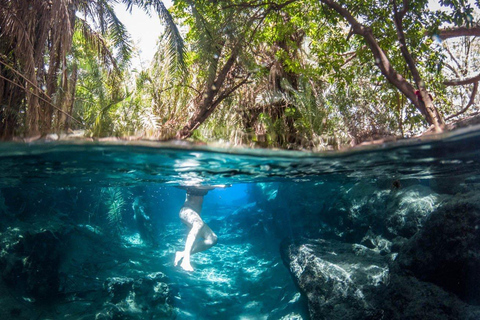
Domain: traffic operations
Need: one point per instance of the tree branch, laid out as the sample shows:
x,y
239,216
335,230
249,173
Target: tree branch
x,y
461,82
225,94
380,56
404,10
398,19
382,61
424,97
452,57
470,103
353,56
459,32
448,66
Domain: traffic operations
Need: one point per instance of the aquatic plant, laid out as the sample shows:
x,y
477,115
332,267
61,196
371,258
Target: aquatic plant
x,y
114,202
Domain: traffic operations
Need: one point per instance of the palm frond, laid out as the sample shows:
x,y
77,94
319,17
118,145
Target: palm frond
x,y
142,79
176,46
119,35
96,42
149,122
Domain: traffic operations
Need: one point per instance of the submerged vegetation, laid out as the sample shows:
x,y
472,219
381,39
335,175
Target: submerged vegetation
x,y
290,74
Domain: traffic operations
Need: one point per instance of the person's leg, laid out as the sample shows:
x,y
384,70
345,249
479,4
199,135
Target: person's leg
x,y
190,218
208,241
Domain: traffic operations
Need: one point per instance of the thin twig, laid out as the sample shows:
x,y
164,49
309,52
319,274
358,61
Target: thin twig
x,y
448,66
348,60
452,57
225,94
21,75
467,43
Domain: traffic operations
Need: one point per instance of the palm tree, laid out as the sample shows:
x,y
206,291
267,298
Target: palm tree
x,y
36,37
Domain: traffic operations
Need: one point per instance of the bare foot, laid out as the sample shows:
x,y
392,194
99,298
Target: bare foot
x,y
186,266
178,256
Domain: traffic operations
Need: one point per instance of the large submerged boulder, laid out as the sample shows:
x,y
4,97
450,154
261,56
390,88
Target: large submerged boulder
x,y
337,278
408,209
435,275
446,251
389,212
353,212
345,281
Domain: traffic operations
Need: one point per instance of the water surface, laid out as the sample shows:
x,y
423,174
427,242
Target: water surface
x,y
87,196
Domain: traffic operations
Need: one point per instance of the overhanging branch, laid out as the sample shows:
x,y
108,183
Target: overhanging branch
x,y
461,82
459,32
470,103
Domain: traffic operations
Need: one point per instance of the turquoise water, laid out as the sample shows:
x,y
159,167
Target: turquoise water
x,y
129,164
90,230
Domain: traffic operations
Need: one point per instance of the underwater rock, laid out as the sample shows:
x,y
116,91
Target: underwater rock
x,y
142,298
356,213
446,251
387,212
79,272
96,269
337,278
29,262
345,281
409,208
405,297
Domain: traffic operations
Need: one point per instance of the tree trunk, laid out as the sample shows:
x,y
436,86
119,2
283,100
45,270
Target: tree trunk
x,y
11,99
423,102
68,101
212,96
431,113
70,105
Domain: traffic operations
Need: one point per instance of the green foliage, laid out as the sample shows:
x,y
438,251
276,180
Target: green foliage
x,y
300,77
311,84
98,88
462,11
174,41
115,203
